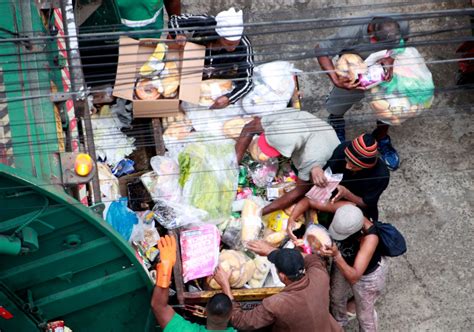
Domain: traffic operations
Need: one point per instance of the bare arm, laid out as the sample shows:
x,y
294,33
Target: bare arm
x,y
160,307
250,129
344,193
327,207
173,7
326,64
366,251
289,198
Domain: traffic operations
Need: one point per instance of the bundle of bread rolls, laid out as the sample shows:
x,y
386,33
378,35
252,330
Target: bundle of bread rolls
x,y
159,78
213,89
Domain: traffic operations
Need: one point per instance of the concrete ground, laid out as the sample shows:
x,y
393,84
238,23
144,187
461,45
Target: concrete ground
x,y
430,197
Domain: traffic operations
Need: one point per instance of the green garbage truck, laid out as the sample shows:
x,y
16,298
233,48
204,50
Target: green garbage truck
x,y
59,261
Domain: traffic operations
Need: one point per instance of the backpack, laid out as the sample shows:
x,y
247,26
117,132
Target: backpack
x,y
391,241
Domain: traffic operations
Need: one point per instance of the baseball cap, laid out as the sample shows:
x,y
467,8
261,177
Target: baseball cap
x,y
288,261
347,220
266,148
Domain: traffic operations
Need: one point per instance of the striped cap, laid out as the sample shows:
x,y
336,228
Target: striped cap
x,y
362,151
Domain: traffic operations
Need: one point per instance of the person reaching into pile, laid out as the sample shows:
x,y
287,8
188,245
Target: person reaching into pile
x,y
229,53
218,308
299,135
302,305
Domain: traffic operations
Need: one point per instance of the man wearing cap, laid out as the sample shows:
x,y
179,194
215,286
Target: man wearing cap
x,y
229,53
365,175
302,305
299,135
358,265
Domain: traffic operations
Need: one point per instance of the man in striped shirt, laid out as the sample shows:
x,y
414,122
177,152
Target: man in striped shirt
x,y
229,53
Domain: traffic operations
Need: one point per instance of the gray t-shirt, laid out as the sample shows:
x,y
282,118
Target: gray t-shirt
x,y
355,38
301,136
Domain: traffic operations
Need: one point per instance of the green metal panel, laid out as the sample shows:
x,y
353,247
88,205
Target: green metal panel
x,y
26,71
83,272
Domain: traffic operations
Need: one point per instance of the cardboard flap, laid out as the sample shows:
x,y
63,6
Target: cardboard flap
x,y
126,68
191,72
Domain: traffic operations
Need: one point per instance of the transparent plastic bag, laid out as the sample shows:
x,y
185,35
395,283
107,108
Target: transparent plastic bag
x,y
323,194
172,215
231,235
145,234
209,176
408,93
163,184
273,88
251,219
263,173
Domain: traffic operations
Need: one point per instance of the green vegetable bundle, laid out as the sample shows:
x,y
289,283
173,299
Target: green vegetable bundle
x,y
209,176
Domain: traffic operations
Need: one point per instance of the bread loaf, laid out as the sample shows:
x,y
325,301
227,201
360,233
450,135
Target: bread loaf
x,y
350,66
232,128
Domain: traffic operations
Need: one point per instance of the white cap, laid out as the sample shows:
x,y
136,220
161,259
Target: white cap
x,y
347,220
230,24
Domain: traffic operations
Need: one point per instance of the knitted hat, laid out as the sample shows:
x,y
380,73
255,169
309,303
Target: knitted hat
x,y
362,151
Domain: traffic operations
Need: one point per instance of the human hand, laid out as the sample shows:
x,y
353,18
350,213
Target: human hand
x,y
222,276
260,247
181,40
387,63
167,247
342,192
332,251
319,179
221,102
289,229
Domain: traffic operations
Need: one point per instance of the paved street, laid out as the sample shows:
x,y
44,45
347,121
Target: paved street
x,y
430,197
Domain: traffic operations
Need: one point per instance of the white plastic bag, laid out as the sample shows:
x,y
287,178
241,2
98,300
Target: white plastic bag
x,y
410,91
273,88
165,184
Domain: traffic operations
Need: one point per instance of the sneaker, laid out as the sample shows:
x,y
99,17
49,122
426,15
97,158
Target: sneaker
x,y
339,125
388,153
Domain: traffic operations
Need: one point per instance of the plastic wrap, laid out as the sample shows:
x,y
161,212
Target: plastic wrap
x,y
199,251
231,235
163,182
242,268
410,91
273,88
121,218
323,194
209,176
251,219
173,215
264,173
316,236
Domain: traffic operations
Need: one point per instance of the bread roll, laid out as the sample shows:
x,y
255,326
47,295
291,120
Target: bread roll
x,y
233,128
178,131
350,66
255,151
145,90
213,89
170,79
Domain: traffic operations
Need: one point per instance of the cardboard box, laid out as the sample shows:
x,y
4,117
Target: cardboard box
x,y
134,53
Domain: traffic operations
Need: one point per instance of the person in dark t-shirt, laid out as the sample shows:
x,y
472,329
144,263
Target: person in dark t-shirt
x,y
365,175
